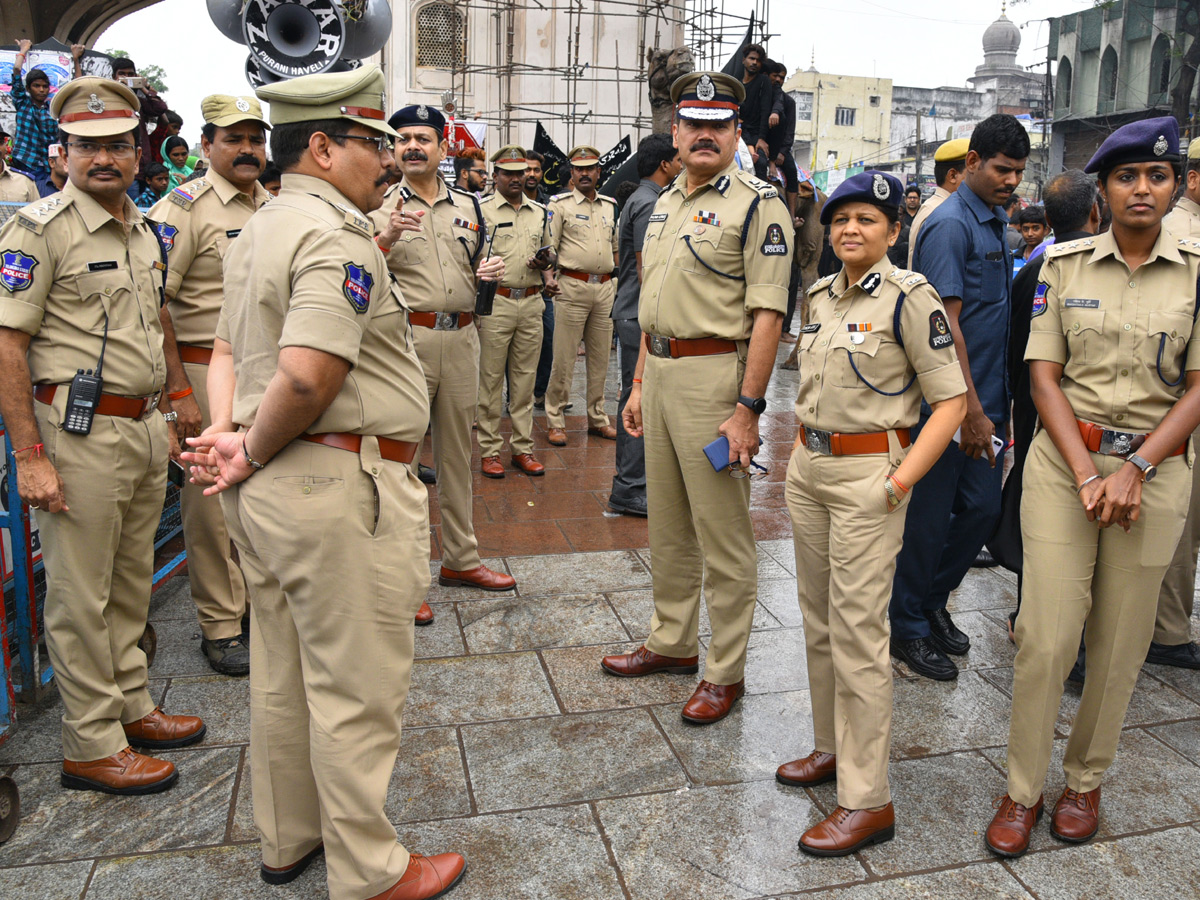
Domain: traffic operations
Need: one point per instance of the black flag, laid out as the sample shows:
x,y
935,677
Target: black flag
x,y
611,160
553,170
734,66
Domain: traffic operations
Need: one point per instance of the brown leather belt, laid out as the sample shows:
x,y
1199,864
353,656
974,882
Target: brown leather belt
x,y
833,443
190,353
395,451
586,276
441,321
1108,442
673,348
109,405
518,293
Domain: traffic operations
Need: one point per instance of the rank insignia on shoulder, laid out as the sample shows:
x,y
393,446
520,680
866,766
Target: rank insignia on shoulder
x,y
705,218
774,244
871,282
1039,300
166,235
939,331
466,223
16,270
914,278
658,217
357,287
810,328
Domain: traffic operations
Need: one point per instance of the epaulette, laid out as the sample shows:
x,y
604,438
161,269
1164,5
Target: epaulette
x,y
534,204
612,200
1056,250
1188,244
564,195
36,215
905,279
764,190
452,189
354,221
823,283
186,194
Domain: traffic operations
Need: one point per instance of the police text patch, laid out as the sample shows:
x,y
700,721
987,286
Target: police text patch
x,y
106,266
233,233
939,331
811,328
16,270
357,287
775,244
1039,301
658,217
1081,303
166,236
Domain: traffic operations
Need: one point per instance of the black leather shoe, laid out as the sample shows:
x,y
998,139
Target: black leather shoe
x,y
946,634
1182,656
924,658
426,474
628,507
983,560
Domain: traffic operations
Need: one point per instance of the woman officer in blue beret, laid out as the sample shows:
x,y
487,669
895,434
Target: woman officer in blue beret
x,y
877,341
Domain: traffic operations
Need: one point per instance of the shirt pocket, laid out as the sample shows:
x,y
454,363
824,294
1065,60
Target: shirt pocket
x,y
412,249
1167,350
993,280
106,294
856,362
715,251
1084,328
809,359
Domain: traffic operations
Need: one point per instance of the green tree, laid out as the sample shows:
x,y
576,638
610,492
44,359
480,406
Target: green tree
x,y
156,76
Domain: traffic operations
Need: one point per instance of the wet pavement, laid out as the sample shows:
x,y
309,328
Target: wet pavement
x,y
560,783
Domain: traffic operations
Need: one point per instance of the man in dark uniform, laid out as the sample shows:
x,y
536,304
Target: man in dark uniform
x,y
762,108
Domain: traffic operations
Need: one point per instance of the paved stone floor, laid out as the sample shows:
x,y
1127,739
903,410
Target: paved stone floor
x,y
560,783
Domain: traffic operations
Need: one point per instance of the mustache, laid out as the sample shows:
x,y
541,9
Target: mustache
x,y
383,179
414,154
103,170
247,159
704,145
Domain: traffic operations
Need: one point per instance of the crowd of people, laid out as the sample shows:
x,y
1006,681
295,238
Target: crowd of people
x,y
316,314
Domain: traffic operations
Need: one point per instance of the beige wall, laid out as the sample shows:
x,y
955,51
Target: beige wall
x,y
820,96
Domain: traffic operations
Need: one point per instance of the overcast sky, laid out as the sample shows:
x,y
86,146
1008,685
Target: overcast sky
x,y
927,44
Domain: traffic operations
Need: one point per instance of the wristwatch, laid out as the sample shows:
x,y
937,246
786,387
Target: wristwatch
x,y
756,405
170,416
1149,470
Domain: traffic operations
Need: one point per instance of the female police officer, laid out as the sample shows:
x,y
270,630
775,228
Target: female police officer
x,y
877,341
1113,352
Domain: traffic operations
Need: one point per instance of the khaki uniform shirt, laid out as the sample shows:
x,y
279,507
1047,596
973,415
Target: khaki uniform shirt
x,y
853,327
936,199
699,278
1105,325
197,222
583,232
66,264
1184,219
16,188
518,235
436,265
305,272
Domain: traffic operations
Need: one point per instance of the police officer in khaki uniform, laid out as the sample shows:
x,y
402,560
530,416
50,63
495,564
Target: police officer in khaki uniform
x,y
949,166
877,339
15,187
715,265
1114,354
80,284
433,236
314,361
196,223
583,234
1172,644
510,339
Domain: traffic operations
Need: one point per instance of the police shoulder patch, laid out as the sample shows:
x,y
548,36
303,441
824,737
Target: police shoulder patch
x,y
1039,300
16,270
774,243
166,235
939,331
357,287
35,216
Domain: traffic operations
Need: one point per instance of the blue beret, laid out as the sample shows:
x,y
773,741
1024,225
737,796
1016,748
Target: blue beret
x,y
1150,140
879,188
418,115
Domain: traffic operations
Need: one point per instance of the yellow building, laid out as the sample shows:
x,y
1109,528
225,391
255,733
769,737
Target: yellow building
x,y
841,120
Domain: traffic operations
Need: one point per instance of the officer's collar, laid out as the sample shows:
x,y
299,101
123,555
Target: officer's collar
x,y
1165,247
981,210
1185,203
93,214
871,283
226,190
581,197
408,193
720,182
317,187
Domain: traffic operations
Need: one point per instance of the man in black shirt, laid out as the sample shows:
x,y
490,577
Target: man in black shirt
x,y
763,102
782,136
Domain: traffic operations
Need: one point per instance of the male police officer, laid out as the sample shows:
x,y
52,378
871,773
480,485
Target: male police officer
x,y
197,222
510,339
436,264
80,288
334,536
714,289
583,233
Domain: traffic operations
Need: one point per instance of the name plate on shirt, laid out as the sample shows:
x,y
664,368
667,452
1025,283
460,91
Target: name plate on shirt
x,y
233,233
1080,303
105,266
658,217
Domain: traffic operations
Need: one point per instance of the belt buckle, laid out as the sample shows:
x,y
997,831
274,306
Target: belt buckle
x,y
151,404
1120,443
660,346
595,279
445,321
818,441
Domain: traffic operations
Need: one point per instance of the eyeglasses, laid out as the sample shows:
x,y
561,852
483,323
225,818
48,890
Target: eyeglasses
x,y
382,143
88,149
756,470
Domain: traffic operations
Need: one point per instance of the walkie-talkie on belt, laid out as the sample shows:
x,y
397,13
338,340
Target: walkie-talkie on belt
x,y
84,396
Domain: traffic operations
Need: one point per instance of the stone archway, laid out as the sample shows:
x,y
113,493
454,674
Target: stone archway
x,y
70,21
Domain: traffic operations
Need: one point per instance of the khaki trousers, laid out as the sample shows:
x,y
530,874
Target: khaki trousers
x,y
451,363
699,520
99,559
218,588
1174,622
846,546
335,548
582,310
1078,577
510,338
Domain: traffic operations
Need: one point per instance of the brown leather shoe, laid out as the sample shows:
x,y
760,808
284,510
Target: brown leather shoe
x,y
557,437
849,830
426,877
642,662
1008,835
125,773
490,467
816,768
424,615
288,874
158,731
481,577
712,702
1076,816
527,464
608,432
